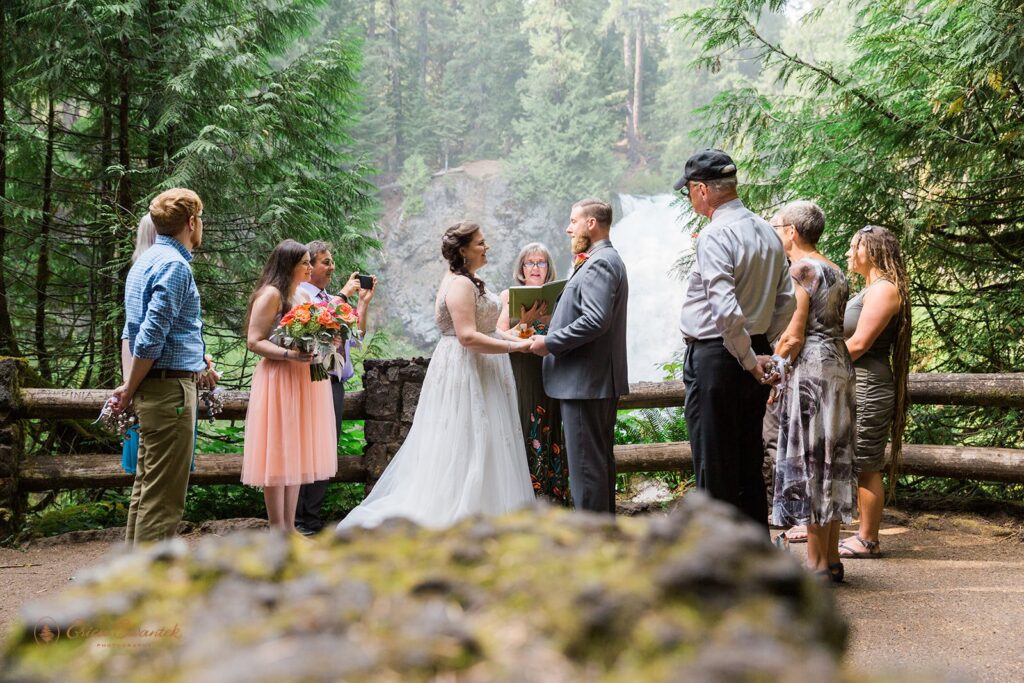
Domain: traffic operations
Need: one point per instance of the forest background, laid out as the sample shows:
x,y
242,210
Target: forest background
x,y
288,115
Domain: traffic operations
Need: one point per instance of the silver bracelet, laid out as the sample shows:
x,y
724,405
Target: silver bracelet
x,y
285,355
510,347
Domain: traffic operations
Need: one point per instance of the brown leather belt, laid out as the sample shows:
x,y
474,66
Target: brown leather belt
x,y
170,374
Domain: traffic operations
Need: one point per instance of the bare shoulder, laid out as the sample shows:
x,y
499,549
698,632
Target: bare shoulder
x,y
267,296
884,294
461,286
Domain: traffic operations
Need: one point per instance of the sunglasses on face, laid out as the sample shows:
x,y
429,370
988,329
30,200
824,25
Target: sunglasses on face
x,y
535,264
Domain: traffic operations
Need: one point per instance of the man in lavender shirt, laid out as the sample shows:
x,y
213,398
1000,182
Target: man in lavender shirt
x,y
311,496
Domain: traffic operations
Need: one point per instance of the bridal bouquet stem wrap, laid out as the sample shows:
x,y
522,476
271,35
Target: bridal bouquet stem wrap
x,y
314,328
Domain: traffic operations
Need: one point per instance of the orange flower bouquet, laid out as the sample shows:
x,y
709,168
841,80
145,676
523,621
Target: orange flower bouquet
x,y
315,328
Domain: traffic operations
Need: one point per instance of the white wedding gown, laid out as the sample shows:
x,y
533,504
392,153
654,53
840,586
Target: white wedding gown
x,y
464,454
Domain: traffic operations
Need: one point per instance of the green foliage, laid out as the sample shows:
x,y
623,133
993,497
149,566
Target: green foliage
x,y
106,104
351,440
915,125
651,425
567,128
414,179
79,511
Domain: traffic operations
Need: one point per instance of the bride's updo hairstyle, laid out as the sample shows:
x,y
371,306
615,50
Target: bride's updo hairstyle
x,y
455,238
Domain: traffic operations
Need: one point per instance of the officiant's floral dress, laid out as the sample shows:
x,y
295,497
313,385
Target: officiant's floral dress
x,y
814,479
541,419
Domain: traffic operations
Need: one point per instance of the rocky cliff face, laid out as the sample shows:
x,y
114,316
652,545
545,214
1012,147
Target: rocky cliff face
x,y
541,595
412,266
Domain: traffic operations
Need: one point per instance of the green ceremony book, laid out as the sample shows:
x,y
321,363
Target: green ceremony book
x,y
527,296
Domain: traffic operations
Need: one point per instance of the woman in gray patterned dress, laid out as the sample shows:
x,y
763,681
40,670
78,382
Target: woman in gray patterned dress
x,y
814,478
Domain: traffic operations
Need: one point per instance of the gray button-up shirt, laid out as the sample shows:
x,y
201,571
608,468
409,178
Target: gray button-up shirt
x,y
740,284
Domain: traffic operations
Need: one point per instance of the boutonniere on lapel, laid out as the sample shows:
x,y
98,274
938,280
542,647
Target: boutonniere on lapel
x,y
581,258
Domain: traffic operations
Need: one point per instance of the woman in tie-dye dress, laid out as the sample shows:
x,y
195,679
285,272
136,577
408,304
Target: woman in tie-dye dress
x,y
814,479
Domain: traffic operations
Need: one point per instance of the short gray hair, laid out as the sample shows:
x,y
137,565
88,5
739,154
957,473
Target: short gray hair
x,y
532,248
317,247
807,217
728,184
145,236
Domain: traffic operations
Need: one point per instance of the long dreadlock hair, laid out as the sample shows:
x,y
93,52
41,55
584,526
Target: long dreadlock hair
x,y
883,250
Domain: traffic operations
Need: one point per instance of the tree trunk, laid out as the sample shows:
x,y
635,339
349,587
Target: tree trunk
x,y
107,201
638,71
422,39
627,62
395,71
43,259
8,343
154,144
114,287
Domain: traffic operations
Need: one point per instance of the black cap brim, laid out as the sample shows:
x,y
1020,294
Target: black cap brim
x,y
680,184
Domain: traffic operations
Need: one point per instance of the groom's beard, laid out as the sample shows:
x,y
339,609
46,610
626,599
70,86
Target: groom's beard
x,y
580,244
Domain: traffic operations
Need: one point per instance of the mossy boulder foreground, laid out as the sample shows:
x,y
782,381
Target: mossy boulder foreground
x,y
541,595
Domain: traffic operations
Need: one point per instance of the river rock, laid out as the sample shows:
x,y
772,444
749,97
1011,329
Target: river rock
x,y
539,595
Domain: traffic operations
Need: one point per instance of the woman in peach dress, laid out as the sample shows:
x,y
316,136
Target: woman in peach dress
x,y
290,436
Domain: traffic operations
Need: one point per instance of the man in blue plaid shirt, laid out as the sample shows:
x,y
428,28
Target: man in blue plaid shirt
x,y
165,335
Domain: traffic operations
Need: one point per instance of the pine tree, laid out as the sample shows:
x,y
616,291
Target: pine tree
x,y
919,129
568,126
130,98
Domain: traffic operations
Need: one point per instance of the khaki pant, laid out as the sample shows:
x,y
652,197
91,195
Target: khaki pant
x,y
167,423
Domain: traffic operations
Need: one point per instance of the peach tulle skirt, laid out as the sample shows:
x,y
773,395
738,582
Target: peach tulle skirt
x,y
290,435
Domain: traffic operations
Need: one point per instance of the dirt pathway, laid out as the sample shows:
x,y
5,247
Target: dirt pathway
x,y
947,597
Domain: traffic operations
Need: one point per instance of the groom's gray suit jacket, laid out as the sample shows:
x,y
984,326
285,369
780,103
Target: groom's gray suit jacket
x,y
587,334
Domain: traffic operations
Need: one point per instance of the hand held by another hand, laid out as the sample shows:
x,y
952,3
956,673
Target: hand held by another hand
x,y
521,346
538,345
765,371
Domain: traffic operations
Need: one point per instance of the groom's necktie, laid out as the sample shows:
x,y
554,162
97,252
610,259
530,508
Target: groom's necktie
x,y
323,296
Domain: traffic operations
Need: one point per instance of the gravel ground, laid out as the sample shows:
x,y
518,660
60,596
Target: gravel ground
x,y
948,597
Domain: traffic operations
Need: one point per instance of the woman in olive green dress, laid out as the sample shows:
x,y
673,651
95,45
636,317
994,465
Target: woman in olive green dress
x,y
877,330
539,414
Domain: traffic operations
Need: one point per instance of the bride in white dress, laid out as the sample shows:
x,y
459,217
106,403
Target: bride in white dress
x,y
464,452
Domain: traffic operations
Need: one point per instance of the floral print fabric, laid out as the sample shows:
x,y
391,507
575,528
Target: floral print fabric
x,y
814,478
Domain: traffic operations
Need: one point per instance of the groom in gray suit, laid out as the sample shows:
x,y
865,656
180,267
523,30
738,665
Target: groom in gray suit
x,y
585,355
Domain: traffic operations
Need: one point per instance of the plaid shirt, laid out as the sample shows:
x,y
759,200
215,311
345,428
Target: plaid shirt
x,y
161,301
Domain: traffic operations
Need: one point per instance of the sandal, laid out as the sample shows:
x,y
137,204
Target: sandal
x,y
836,572
794,534
871,549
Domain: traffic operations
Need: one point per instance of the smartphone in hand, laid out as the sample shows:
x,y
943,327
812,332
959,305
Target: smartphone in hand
x,y
365,281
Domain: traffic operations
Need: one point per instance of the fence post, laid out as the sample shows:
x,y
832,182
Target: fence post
x,y
12,502
392,389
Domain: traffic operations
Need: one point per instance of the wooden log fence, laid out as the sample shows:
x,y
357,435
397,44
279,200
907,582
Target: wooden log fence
x,y
387,404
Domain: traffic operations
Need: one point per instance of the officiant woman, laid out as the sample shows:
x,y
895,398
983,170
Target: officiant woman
x,y
539,414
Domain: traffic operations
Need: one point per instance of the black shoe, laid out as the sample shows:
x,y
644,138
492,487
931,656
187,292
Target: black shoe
x,y
306,531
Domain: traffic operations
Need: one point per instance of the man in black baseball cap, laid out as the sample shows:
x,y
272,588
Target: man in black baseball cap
x,y
707,164
738,296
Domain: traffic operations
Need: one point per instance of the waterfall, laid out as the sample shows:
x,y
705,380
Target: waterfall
x,y
649,236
